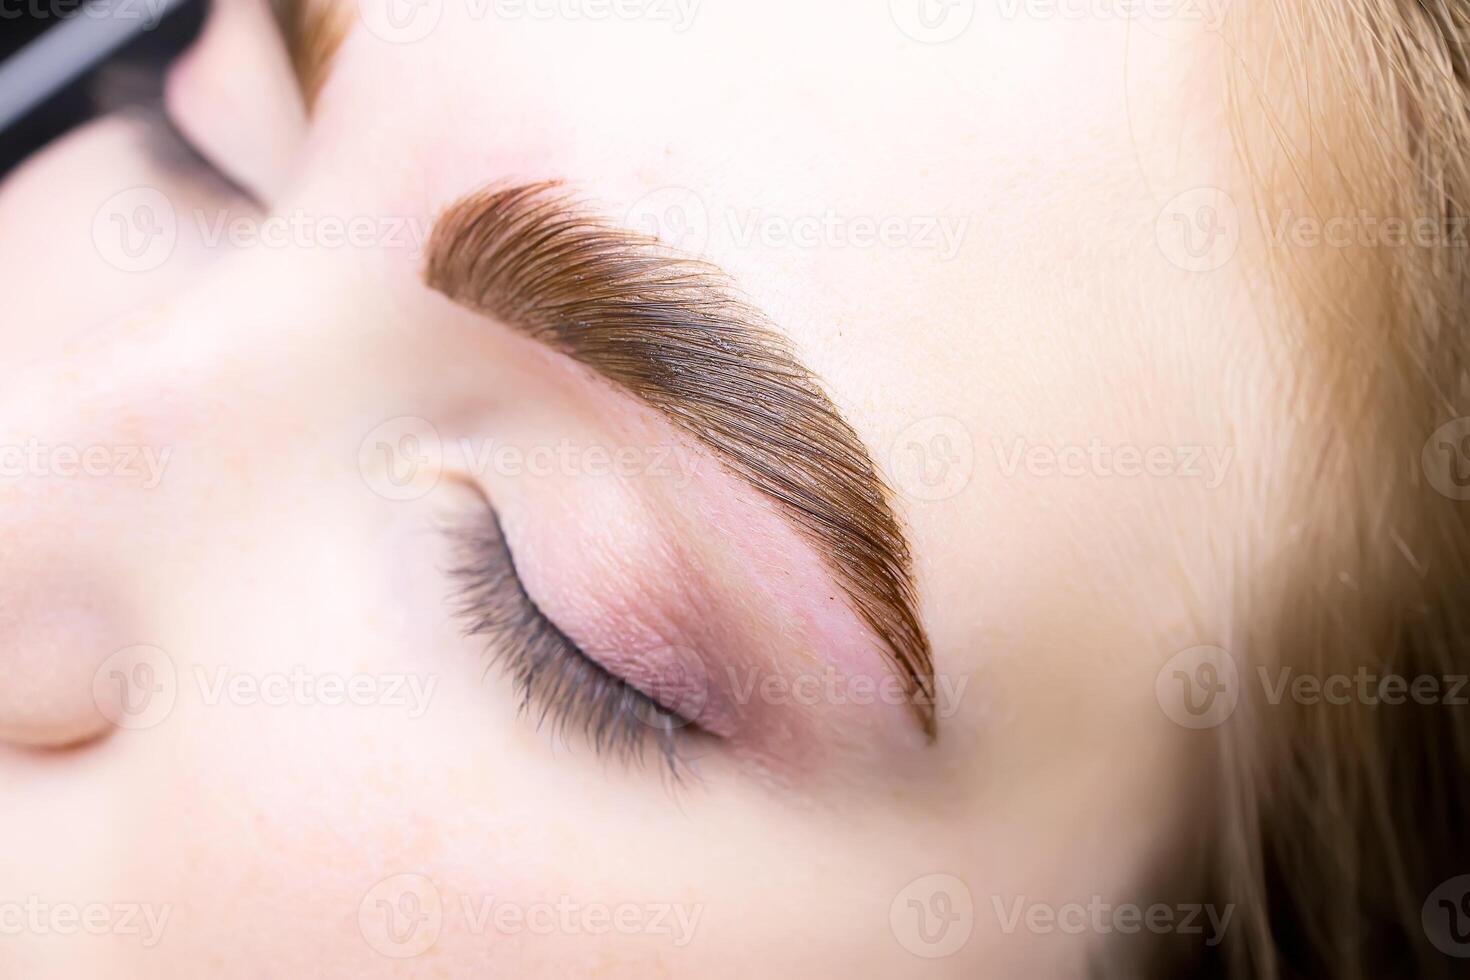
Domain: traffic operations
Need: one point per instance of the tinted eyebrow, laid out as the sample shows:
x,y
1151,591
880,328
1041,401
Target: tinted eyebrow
x,y
313,31
673,332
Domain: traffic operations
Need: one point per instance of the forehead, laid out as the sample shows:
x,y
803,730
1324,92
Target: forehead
x,y
792,105
851,177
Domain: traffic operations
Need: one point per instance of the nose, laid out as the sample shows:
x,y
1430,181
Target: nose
x,y
84,455
56,629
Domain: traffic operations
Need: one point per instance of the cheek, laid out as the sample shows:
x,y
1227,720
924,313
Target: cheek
x,y
317,836
286,800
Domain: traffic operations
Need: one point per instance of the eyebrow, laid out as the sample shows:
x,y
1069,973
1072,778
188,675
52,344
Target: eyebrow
x,y
673,332
313,31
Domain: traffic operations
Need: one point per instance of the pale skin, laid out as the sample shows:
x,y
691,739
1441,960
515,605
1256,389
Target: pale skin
x,y
1052,315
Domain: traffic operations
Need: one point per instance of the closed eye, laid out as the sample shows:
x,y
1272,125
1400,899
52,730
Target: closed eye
x,y
553,678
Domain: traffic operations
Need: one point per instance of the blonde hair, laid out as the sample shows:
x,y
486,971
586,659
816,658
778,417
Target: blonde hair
x,y
1336,822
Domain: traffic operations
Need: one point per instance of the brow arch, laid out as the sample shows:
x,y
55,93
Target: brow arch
x,y
673,332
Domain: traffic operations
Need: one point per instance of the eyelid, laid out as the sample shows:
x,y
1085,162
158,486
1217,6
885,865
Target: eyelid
x,y
251,137
181,146
679,579
551,674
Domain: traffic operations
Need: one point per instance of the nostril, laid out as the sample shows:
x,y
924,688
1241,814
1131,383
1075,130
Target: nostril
x,y
53,641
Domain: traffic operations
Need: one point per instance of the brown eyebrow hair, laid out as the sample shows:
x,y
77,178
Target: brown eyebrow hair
x,y
313,31
673,332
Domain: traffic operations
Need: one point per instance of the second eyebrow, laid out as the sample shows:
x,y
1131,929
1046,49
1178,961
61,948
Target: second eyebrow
x,y
671,331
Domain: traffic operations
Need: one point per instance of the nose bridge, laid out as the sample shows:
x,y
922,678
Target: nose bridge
x,y
140,382
89,437
87,443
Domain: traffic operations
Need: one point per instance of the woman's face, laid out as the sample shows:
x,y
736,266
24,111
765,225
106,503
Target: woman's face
x,y
265,475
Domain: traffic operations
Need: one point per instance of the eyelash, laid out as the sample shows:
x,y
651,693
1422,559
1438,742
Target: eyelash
x,y
550,673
